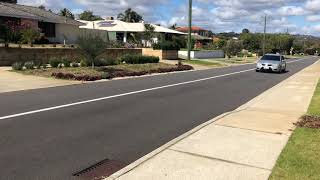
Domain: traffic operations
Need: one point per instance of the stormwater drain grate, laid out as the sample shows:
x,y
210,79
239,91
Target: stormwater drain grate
x,y
100,170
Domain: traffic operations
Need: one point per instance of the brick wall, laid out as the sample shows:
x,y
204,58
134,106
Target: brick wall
x,y
8,56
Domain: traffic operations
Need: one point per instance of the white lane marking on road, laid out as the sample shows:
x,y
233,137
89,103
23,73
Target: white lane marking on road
x,y
126,94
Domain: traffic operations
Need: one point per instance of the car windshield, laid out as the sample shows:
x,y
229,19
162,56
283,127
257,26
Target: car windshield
x,y
271,58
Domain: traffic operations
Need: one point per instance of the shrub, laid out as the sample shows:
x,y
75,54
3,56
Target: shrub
x,y
107,62
29,36
29,65
38,64
17,66
44,66
55,62
66,62
75,64
91,46
83,63
166,45
138,59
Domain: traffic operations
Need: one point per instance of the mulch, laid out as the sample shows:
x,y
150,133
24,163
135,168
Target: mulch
x,y
309,122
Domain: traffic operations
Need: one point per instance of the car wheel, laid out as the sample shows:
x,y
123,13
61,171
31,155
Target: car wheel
x,y
285,69
257,70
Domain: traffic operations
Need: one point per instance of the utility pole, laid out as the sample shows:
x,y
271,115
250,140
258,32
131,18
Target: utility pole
x,y
190,29
264,34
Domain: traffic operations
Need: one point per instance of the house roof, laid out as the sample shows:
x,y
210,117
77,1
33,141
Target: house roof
x,y
198,37
29,12
120,26
193,28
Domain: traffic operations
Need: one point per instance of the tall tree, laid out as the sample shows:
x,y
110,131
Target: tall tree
x,y
233,47
89,16
245,31
130,16
66,13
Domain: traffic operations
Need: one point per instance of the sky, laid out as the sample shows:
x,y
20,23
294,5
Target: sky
x,y
295,16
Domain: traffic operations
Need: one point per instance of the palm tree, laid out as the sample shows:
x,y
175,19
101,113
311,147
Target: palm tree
x,y
130,16
66,13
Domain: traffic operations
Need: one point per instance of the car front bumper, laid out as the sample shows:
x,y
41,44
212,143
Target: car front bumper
x,y
268,67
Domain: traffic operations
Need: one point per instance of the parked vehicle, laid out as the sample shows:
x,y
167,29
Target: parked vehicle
x,y
272,63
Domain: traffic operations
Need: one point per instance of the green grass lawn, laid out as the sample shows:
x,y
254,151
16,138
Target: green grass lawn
x,y
314,108
221,62
204,63
300,160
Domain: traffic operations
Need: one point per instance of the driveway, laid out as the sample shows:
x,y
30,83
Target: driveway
x,y
11,81
55,132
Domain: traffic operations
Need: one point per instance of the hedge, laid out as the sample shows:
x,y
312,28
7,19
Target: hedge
x,y
138,59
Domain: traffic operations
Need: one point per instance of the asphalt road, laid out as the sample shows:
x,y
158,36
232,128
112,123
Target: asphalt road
x,y
57,142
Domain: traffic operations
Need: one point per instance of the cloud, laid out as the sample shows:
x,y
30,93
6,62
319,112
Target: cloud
x,y
216,15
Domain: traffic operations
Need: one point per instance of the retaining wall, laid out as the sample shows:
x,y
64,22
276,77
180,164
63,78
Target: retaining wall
x,y
8,56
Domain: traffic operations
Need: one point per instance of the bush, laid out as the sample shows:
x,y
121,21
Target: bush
x,y
166,45
138,59
55,62
29,36
75,64
17,66
107,62
70,76
66,62
91,46
29,65
38,64
83,63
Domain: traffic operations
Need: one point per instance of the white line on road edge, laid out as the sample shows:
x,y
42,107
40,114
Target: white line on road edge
x,y
125,94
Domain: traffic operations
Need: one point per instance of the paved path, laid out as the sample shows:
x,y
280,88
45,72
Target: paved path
x,y
243,144
52,133
11,81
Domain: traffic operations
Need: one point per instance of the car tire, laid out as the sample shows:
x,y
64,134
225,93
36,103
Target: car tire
x,y
257,70
285,69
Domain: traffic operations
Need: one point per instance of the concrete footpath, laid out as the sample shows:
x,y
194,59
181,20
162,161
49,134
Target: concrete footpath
x,y
243,144
11,81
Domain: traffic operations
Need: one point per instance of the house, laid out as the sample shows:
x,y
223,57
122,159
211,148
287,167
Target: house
x,y
57,29
195,30
200,35
122,31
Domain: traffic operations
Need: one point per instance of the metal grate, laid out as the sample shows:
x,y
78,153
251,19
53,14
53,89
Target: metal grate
x,y
100,170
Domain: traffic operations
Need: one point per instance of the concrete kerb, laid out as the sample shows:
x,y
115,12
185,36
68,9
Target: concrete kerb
x,y
149,156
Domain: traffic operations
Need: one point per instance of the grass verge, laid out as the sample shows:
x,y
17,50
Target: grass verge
x,y
204,63
300,158
221,62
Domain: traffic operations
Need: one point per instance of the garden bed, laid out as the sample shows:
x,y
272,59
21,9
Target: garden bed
x,y
309,122
107,72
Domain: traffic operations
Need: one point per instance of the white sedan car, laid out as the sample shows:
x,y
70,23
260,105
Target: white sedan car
x,y
272,63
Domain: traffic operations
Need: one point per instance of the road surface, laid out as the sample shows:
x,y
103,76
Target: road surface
x,y
53,133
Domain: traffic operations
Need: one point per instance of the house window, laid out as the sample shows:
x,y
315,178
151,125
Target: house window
x,y
49,29
120,37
